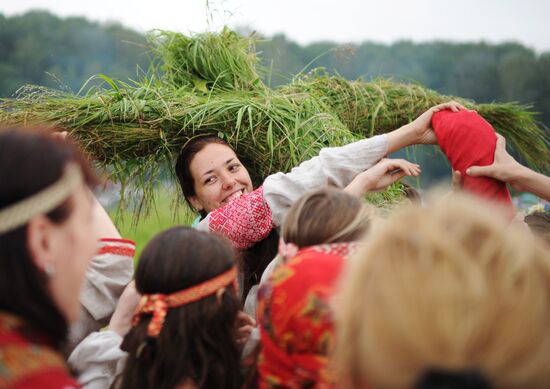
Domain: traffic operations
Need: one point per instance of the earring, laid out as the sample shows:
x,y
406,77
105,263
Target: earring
x,y
49,269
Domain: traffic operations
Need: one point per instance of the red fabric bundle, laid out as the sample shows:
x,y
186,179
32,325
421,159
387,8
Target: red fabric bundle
x,y
469,140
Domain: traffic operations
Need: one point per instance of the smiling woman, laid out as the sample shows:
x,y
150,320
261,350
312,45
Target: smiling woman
x,y
218,186
221,178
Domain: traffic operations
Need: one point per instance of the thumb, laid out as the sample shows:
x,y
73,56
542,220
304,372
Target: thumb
x,y
399,175
456,182
478,171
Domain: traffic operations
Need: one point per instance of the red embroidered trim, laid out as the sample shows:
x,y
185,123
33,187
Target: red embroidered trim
x,y
244,221
117,250
118,240
158,303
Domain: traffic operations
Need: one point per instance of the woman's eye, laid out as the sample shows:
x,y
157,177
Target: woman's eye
x,y
209,180
234,167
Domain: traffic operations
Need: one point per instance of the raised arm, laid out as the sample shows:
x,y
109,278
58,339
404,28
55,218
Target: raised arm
x,y
338,166
250,218
505,168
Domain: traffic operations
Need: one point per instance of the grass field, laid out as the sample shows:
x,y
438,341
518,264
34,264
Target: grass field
x,y
164,214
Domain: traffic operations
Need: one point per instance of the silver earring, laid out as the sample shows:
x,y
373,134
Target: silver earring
x,y
49,269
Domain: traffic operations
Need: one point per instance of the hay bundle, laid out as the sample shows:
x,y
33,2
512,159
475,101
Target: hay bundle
x,y
224,61
211,84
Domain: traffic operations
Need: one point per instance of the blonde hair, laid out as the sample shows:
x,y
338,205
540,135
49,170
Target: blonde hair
x,y
327,215
450,287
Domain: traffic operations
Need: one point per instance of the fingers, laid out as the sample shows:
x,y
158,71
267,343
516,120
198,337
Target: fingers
x,y
244,320
479,171
62,135
456,183
399,175
452,105
245,327
396,166
243,334
122,316
501,142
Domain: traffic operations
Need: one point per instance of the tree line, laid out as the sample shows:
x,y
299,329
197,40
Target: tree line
x,y
41,48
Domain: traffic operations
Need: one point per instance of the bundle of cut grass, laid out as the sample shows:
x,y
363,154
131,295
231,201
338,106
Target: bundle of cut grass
x,y
269,130
370,108
224,61
210,85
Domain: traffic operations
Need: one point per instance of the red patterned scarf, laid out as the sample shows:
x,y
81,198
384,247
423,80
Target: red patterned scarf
x,y
296,319
244,221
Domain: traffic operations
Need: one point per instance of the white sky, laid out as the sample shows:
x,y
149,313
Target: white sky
x,y
525,21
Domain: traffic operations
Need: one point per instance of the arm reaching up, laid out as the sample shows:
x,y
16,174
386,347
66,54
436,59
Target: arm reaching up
x,y
506,168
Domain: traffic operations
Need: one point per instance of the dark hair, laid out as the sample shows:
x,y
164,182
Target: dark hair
x,y
198,340
30,162
445,379
183,164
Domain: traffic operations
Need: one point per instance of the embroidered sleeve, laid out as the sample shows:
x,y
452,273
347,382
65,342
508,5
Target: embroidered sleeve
x,y
244,221
108,274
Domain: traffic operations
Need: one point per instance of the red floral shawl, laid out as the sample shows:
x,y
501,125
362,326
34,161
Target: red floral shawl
x,y
296,319
27,361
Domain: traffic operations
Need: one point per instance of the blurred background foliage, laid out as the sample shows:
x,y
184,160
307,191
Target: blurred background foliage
x,y
43,49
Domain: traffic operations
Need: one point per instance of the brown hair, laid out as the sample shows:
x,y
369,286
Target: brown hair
x,y
327,215
183,164
450,288
198,340
29,162
539,223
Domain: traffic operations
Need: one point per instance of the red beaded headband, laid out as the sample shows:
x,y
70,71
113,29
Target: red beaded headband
x,y
158,304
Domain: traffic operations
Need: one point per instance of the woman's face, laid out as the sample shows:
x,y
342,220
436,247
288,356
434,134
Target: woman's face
x,y
73,244
219,177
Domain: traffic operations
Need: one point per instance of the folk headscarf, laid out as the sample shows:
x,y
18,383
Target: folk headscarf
x,y
296,319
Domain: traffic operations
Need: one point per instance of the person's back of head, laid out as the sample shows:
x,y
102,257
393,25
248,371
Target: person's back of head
x,y
450,295
327,215
539,223
185,331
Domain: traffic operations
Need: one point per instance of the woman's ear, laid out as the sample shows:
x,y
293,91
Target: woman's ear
x,y
39,243
287,250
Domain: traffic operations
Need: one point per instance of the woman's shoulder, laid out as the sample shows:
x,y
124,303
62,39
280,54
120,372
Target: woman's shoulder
x,y
27,360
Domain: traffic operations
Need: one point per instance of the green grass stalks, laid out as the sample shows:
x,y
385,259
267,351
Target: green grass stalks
x,y
211,85
206,61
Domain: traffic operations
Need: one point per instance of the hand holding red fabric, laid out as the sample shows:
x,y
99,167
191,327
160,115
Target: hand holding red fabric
x,y
467,140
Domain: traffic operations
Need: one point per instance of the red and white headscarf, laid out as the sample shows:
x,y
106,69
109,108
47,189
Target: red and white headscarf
x,y
296,319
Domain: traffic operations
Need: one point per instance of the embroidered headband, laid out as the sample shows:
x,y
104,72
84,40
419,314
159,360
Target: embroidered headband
x,y
18,214
158,304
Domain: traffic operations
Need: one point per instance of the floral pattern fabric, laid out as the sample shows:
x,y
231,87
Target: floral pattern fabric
x,y
296,318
